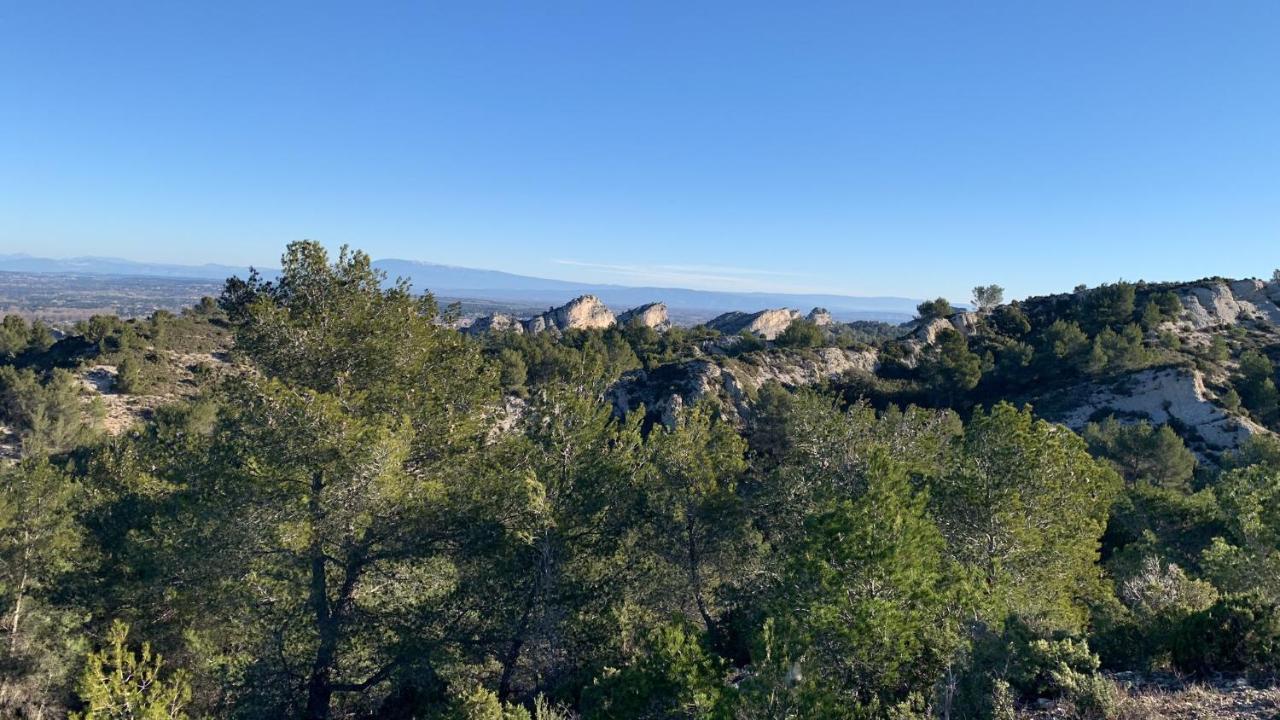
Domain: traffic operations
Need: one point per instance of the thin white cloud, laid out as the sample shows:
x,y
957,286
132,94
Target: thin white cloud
x,y
723,275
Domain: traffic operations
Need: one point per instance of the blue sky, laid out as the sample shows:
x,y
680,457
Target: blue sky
x,y
908,148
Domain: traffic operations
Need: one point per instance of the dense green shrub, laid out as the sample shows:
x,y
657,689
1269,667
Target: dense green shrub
x,y
1239,633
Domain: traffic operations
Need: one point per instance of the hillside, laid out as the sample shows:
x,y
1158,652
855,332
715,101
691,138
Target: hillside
x,y
1057,507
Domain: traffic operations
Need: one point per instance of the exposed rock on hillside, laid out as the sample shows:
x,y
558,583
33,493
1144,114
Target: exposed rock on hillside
x,y
768,324
652,315
1222,303
821,317
665,389
496,323
1175,395
586,312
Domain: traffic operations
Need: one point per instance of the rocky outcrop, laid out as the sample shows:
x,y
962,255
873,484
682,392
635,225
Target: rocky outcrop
x,y
965,323
1175,395
653,315
767,324
1222,303
821,317
496,323
667,388
586,312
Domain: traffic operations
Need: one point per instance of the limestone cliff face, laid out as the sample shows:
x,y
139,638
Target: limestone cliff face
x,y
586,313
652,315
666,389
767,324
1162,395
1228,303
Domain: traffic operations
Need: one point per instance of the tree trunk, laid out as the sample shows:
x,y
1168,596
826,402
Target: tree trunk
x,y
695,574
521,633
320,684
22,589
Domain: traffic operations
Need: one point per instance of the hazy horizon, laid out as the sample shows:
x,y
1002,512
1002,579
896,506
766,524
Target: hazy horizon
x,y
841,149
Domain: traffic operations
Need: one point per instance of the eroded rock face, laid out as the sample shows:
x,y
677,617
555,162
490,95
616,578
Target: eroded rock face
x,y
821,317
1222,303
1164,395
653,315
666,389
767,324
965,323
585,313
496,323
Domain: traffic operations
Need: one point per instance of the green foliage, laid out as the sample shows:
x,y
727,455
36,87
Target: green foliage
x,y
696,516
865,598
1231,400
1219,351
801,333
356,520
1248,557
514,372
675,677
482,704
1010,320
135,375
1139,451
1021,663
1065,342
936,308
1118,351
47,413
950,368
1109,305
1236,634
119,684
17,337
986,297
41,548
748,341
1257,386
1024,506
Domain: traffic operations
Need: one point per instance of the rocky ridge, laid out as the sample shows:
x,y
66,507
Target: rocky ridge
x,y
766,324
1184,395
586,312
735,382
651,315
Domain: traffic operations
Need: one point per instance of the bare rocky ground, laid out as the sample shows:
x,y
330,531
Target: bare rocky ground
x,y
123,410
1167,697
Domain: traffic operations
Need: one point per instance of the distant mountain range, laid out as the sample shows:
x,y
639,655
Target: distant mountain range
x,y
470,283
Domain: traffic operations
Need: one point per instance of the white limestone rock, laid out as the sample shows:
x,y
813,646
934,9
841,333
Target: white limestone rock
x,y
652,315
767,324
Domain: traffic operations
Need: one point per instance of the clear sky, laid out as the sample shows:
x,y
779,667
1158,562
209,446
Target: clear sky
x,y
909,148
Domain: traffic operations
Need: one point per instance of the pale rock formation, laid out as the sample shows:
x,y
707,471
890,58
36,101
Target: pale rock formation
x,y
1170,394
652,315
821,317
1220,303
665,390
496,323
768,324
966,323
586,313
